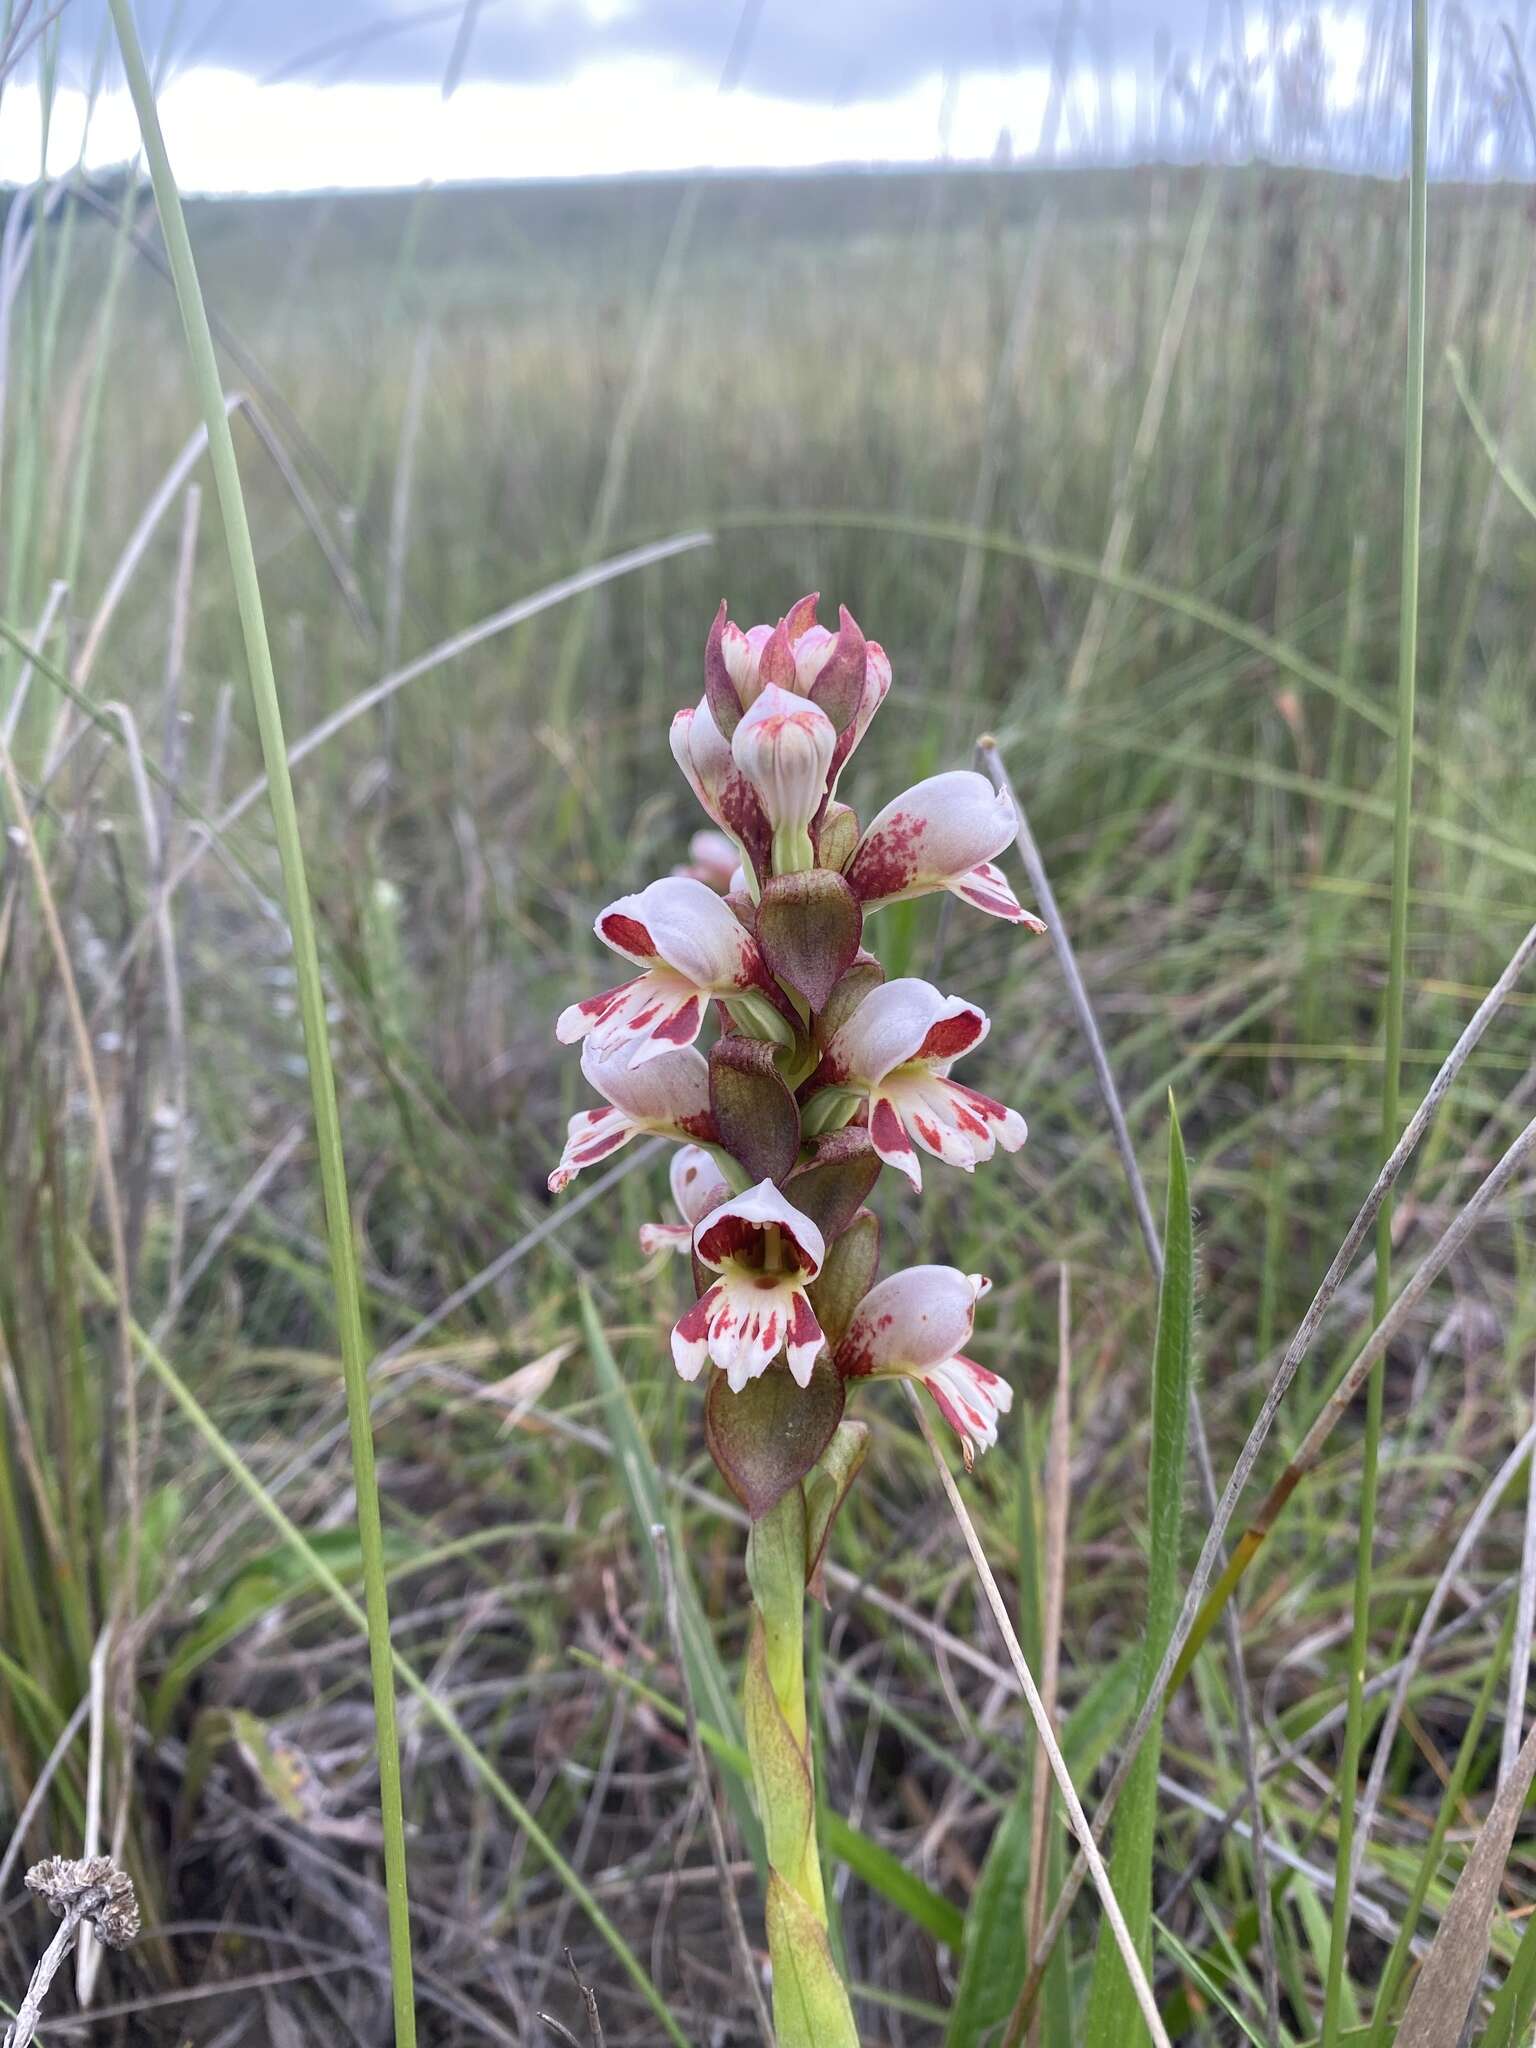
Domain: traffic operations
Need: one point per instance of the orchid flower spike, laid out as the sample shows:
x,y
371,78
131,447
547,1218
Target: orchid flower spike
x,y
915,1326
696,1189
690,944
766,1253
668,1096
943,833
896,1051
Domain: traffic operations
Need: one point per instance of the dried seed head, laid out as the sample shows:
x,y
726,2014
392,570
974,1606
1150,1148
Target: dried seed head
x,y
92,1888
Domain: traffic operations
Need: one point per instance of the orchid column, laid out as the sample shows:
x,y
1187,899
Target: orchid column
x,y
822,1072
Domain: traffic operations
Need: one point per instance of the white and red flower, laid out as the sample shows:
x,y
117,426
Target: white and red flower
x,y
703,753
696,1188
915,1326
692,947
941,834
896,1050
766,1254
667,1096
784,747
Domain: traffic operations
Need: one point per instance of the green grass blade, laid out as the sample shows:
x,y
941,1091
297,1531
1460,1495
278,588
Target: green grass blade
x,y
324,1576
311,993
1402,847
712,1687
1114,2020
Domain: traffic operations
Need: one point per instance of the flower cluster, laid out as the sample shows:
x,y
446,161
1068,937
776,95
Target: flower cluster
x,y
822,1071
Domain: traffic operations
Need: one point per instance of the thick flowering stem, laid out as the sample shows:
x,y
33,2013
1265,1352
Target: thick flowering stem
x,y
810,2001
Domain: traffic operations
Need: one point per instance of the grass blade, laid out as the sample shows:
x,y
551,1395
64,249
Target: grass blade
x,y
1113,2021
1402,846
311,992
648,1497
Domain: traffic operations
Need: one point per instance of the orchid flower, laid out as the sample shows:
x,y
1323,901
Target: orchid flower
x,y
713,860
690,944
914,1326
696,1189
784,747
667,1096
942,833
822,1073
896,1051
766,1254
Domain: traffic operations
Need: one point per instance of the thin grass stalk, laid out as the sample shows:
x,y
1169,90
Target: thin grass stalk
x,y
343,1252
1077,1819
1402,847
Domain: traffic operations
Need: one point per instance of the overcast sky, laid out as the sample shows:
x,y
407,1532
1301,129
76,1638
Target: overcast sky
x,y
284,94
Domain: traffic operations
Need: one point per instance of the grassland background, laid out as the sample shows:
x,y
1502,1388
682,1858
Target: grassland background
x,y
918,393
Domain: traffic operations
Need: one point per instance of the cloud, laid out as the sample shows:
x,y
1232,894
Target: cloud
x,y
827,51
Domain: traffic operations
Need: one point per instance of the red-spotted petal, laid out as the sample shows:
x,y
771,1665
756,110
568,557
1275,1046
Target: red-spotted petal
x,y
970,1399
986,887
953,1123
930,837
910,1322
656,1013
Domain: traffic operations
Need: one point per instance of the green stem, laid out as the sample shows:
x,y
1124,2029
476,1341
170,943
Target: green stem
x,y
1402,821
306,960
810,2001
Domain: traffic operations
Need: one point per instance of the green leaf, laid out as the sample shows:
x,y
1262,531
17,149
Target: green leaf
x,y
1114,2019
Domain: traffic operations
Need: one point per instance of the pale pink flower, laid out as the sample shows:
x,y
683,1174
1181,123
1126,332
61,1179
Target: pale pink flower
x,y
915,1326
691,945
713,859
784,746
847,675
668,1096
896,1050
766,1254
696,1188
940,834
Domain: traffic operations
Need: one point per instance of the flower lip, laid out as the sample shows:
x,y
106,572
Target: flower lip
x,y
737,1229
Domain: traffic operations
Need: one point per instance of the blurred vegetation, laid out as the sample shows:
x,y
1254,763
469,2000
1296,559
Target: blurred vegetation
x,y
927,395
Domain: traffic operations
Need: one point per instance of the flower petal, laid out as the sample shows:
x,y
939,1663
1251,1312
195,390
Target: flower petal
x,y
986,887
653,1014
804,1340
749,1322
669,1094
895,1023
931,836
952,1122
911,1321
684,925
737,1229
784,747
665,1237
888,1135
690,1335
970,1399
696,1182
591,1135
